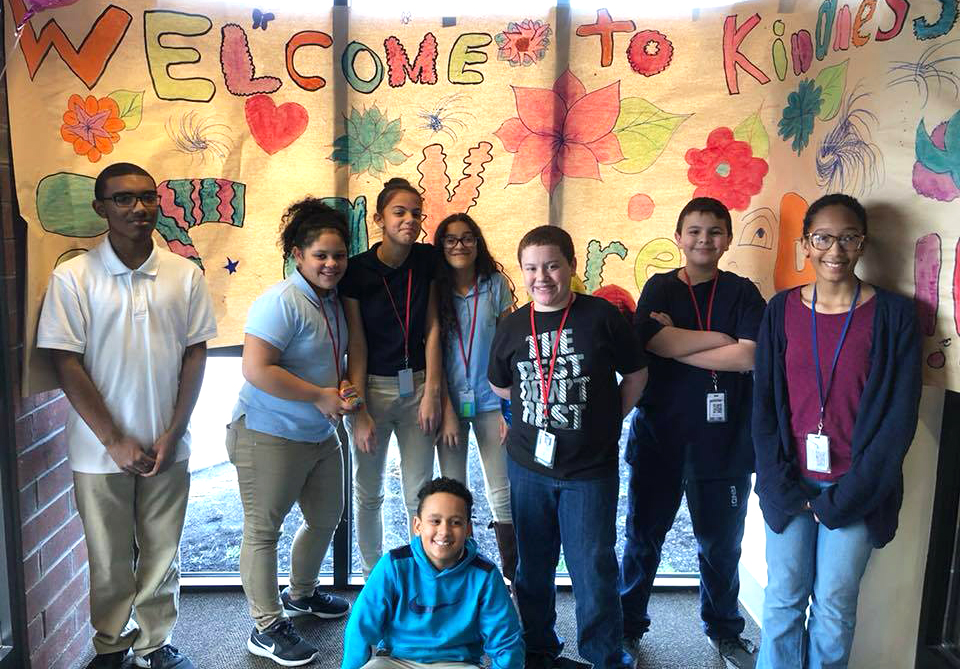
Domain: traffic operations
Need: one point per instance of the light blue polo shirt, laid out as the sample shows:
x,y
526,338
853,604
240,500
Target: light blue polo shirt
x,y
494,298
288,317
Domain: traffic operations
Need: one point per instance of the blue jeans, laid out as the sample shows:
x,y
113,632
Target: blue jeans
x,y
810,564
581,516
718,509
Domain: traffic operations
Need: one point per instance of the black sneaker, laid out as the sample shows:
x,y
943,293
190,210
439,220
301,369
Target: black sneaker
x,y
108,660
165,657
736,652
281,643
320,604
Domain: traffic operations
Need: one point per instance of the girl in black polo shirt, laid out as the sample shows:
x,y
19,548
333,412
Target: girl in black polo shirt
x,y
390,299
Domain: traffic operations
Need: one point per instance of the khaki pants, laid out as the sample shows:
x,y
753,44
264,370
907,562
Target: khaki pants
x,y
493,459
133,526
391,414
273,473
387,662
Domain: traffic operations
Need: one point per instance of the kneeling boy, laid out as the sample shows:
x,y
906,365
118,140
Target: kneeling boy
x,y
436,602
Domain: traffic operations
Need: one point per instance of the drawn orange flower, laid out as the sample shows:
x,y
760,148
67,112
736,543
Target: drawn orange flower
x,y
523,43
563,131
92,126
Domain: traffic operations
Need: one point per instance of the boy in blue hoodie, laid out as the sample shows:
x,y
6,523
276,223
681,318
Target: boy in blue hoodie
x,y
435,602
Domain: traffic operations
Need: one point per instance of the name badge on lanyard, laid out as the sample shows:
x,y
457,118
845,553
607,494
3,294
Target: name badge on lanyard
x,y
467,401
405,375
818,445
716,399
546,448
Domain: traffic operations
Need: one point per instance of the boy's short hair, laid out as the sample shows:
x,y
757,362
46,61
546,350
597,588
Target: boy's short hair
x,y
706,205
449,486
548,235
842,199
116,170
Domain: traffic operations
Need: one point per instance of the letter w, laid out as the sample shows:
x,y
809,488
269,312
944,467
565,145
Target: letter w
x,y
90,60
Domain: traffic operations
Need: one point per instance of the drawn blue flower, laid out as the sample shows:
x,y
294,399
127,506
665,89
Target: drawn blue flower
x,y
802,108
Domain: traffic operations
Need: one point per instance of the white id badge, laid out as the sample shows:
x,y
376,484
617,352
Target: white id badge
x,y
468,404
546,448
818,453
405,382
717,407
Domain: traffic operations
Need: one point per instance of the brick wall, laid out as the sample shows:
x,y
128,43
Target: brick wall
x,y
56,577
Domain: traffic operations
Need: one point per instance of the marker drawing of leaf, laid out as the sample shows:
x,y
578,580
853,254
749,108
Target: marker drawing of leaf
x,y
644,130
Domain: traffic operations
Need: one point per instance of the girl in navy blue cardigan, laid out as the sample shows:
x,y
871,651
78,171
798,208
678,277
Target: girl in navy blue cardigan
x,y
836,391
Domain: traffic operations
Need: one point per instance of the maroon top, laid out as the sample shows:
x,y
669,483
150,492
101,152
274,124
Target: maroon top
x,y
848,379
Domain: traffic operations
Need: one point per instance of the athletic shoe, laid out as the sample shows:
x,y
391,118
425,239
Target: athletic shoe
x,y
108,660
631,646
737,652
281,643
165,657
320,604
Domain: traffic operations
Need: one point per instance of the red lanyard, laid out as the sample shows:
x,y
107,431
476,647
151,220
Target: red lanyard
x,y
404,324
546,383
334,342
473,328
696,309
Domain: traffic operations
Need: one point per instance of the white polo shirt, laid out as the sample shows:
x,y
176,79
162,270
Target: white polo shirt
x,y
132,328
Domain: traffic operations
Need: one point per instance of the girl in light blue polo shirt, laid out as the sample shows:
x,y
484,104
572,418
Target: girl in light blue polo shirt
x,y
472,294
283,438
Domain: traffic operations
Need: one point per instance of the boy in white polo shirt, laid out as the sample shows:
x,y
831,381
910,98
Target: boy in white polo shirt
x,y
127,325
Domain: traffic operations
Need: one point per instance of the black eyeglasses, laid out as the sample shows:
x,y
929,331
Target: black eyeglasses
x,y
823,242
148,198
468,241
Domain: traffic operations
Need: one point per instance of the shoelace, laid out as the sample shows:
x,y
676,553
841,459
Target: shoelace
x,y
286,631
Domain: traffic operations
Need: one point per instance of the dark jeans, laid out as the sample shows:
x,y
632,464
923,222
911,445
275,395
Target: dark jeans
x,y
718,508
581,516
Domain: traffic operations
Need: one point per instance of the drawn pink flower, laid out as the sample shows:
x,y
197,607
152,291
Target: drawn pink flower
x,y
726,170
562,132
523,43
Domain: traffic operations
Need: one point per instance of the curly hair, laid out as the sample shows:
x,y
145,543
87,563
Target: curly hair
x,y
303,222
449,486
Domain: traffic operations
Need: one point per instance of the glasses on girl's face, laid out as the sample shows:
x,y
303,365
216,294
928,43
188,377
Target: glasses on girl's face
x,y
148,198
451,241
824,242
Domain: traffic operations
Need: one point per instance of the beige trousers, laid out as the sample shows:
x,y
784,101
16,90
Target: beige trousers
x,y
387,662
392,414
273,473
133,526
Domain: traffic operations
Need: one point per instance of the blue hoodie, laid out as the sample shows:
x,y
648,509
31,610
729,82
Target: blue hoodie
x,y
425,615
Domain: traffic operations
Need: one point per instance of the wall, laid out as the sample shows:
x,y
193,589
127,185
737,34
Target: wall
x,y
54,555
889,610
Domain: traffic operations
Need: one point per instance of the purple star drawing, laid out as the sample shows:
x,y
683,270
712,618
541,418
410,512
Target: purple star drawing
x,y
231,265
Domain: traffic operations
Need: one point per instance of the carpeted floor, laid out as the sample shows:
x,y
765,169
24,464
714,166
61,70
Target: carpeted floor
x,y
214,627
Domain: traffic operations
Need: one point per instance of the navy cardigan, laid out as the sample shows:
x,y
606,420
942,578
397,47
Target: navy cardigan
x,y
886,420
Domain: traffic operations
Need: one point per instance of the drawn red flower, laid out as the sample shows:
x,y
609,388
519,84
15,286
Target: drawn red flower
x,y
523,43
563,131
649,52
92,126
726,170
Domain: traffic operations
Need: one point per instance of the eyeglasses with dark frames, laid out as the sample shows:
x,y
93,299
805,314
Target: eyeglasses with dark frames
x,y
824,242
147,198
451,241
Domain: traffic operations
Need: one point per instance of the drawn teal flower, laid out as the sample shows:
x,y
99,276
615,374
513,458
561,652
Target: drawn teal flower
x,y
369,144
802,108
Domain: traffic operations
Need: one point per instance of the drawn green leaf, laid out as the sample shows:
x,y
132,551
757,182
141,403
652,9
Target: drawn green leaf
x,y
832,81
752,132
644,131
131,106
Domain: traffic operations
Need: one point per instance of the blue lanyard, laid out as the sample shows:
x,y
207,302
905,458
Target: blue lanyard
x,y
824,394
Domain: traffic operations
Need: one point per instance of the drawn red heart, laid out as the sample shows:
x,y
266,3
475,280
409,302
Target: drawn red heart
x,y
274,128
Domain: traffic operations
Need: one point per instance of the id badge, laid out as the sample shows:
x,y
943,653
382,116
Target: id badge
x,y
405,382
546,448
717,407
818,453
468,404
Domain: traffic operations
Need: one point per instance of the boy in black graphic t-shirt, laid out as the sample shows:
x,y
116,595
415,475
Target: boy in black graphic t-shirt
x,y
562,463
